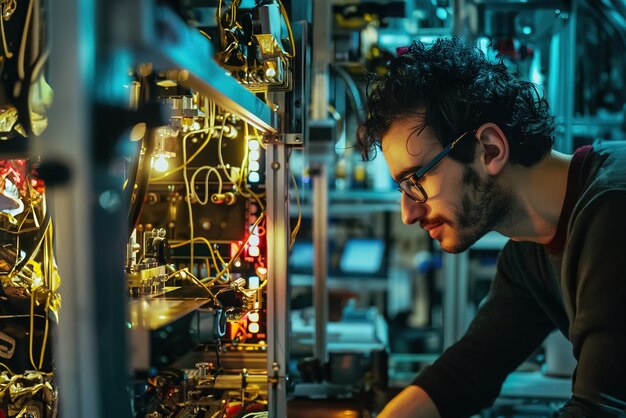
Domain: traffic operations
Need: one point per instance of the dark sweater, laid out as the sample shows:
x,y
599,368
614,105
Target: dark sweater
x,y
577,284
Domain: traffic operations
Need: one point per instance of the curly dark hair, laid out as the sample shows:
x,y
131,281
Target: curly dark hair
x,y
456,88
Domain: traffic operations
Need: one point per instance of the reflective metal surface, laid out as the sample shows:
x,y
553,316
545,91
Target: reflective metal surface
x,y
151,314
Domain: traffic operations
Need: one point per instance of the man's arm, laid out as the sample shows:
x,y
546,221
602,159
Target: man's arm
x,y
412,402
468,376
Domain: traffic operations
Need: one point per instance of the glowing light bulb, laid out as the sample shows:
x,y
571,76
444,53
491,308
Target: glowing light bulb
x,y
253,145
253,327
254,166
254,177
254,155
253,251
253,282
254,240
253,317
160,164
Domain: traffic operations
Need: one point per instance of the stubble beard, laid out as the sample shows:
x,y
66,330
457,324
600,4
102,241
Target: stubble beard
x,y
485,206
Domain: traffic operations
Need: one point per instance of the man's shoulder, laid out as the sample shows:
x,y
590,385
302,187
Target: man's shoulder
x,y
606,173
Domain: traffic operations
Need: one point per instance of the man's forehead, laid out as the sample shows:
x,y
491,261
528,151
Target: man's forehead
x,y
409,134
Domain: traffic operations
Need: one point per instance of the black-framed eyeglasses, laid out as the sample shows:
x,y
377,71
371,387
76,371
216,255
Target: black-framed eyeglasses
x,y
411,185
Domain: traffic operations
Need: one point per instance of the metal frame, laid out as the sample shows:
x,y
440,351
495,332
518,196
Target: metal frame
x,y
92,43
277,182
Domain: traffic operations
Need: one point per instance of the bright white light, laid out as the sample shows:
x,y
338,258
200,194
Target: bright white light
x,y
254,166
253,282
253,251
253,144
254,155
253,327
254,177
160,164
253,317
38,281
254,240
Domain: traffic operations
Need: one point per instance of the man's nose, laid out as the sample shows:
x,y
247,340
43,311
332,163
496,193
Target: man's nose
x,y
412,211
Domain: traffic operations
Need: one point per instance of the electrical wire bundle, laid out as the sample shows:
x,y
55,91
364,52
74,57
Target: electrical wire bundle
x,y
198,179
28,272
30,298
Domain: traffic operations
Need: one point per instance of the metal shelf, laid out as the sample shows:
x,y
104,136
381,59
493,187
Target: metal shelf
x,y
154,313
160,37
352,202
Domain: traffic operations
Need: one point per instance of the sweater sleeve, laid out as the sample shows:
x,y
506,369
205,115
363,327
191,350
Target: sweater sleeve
x,y
595,288
507,328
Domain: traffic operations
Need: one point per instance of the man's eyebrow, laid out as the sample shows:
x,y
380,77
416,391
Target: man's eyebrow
x,y
404,173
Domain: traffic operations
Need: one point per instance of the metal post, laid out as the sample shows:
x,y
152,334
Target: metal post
x,y
459,14
455,268
322,56
277,287
563,78
320,266
90,224
71,66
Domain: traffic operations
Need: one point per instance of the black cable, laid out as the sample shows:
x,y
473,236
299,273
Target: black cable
x,y
139,176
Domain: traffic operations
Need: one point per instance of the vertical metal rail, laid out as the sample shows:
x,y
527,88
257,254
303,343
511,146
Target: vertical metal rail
x,y
277,192
71,69
90,224
456,272
322,56
320,266
459,16
569,81
563,79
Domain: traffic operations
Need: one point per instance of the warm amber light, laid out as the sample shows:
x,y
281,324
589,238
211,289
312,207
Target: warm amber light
x,y
160,164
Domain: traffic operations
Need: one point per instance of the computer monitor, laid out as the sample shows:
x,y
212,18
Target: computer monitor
x,y
363,257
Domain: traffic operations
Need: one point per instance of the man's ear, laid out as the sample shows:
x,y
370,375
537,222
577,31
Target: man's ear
x,y
493,148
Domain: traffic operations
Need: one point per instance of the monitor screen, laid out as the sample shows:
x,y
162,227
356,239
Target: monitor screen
x,y
362,256
301,258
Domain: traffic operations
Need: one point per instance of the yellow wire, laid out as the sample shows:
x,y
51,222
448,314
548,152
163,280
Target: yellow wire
x,y
32,327
45,334
46,271
296,228
7,367
219,151
293,45
194,279
189,208
208,244
232,260
259,138
244,161
208,266
193,156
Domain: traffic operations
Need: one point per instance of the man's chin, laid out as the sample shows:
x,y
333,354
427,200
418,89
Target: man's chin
x,y
453,249
456,246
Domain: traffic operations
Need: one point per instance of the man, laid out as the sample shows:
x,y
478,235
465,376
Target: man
x,y
470,148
